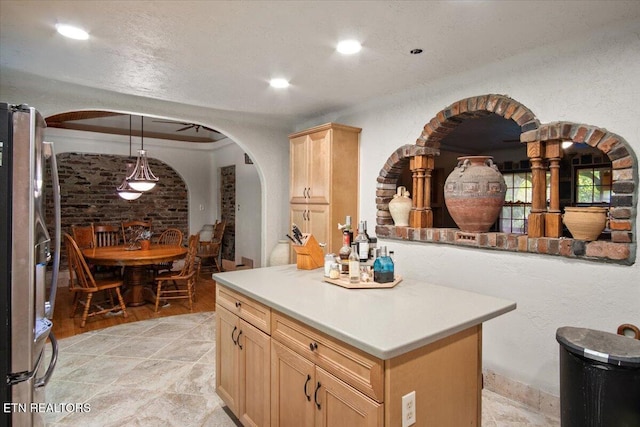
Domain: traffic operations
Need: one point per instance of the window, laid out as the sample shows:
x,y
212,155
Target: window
x,y
593,185
517,202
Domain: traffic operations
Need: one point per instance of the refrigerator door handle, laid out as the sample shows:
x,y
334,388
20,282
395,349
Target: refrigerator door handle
x,y
50,305
41,382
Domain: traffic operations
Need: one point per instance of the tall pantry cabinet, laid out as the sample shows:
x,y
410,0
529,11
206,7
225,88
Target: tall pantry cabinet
x,y
324,165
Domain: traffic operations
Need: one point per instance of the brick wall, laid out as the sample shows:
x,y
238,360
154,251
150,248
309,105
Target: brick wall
x,y
88,194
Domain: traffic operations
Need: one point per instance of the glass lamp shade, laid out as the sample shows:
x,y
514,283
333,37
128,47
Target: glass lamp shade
x,y
129,194
142,179
126,192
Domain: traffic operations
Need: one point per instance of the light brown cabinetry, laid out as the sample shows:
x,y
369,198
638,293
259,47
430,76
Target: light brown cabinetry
x,y
324,165
322,381
305,395
275,370
243,358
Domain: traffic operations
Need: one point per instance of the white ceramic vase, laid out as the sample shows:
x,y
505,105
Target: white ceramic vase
x,y
400,207
280,253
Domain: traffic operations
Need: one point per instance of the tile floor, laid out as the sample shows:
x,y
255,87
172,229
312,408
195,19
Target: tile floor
x,y
161,372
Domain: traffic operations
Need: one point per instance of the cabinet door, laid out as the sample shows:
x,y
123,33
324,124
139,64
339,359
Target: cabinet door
x,y
292,386
319,161
312,219
317,223
299,167
342,405
255,362
227,358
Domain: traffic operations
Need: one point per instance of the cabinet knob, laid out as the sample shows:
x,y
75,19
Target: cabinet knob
x,y
313,346
238,304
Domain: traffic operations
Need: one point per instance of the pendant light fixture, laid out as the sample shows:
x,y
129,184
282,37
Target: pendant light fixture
x,y
124,190
142,179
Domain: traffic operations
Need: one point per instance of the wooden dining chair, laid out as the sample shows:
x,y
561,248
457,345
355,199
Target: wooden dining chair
x,y
130,229
106,235
210,250
85,285
173,237
180,285
83,235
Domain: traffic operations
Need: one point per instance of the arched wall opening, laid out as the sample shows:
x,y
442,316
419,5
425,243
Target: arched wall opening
x,y
544,234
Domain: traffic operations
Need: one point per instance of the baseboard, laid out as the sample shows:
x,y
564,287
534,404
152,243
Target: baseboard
x,y
538,400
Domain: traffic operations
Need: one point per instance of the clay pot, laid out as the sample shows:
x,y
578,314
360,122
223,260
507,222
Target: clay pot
x,y
400,207
280,253
474,193
585,223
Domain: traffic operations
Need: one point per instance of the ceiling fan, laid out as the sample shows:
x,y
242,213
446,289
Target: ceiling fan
x,y
186,126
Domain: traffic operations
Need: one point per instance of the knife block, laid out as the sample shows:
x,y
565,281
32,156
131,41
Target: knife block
x,y
309,255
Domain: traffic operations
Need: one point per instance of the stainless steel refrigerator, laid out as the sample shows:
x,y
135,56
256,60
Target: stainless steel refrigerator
x,y
27,251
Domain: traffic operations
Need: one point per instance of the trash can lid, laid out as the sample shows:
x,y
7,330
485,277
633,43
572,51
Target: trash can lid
x,y
601,346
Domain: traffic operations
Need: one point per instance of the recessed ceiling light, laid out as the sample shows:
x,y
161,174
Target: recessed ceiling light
x,y
279,83
72,32
349,47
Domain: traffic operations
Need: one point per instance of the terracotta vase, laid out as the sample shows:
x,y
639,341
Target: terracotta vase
x,y
474,193
400,207
585,223
280,253
145,245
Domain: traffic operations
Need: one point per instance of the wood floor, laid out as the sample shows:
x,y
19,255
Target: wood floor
x,y
66,326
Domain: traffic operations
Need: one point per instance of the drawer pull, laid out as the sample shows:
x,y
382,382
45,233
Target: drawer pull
x,y
235,328
238,304
315,395
313,346
238,339
305,387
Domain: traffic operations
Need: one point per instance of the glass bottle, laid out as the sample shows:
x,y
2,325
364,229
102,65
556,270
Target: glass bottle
x,y
349,228
345,250
383,267
362,241
354,265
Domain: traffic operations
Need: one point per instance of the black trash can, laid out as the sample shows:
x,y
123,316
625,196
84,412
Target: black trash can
x,y
599,379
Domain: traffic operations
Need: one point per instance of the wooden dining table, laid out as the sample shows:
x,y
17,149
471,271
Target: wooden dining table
x,y
136,263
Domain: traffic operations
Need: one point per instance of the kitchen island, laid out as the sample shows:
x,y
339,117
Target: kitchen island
x,y
294,350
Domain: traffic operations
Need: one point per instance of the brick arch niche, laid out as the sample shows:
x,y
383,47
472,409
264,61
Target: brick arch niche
x,y
544,150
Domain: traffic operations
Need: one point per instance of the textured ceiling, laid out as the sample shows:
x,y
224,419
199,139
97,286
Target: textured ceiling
x,y
221,54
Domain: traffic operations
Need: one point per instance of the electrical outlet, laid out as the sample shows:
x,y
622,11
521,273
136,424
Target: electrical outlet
x,y
409,409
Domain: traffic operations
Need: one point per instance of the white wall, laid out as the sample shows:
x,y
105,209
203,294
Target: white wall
x,y
264,139
193,162
248,227
593,81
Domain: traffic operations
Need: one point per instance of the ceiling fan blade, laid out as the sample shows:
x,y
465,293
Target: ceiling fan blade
x,y
171,122
185,128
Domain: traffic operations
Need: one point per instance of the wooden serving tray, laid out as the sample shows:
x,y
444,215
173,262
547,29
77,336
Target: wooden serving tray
x,y
344,282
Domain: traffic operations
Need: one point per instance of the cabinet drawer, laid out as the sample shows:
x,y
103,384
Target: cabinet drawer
x,y
355,367
255,313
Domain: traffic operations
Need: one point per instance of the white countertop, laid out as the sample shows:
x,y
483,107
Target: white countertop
x,y
382,322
